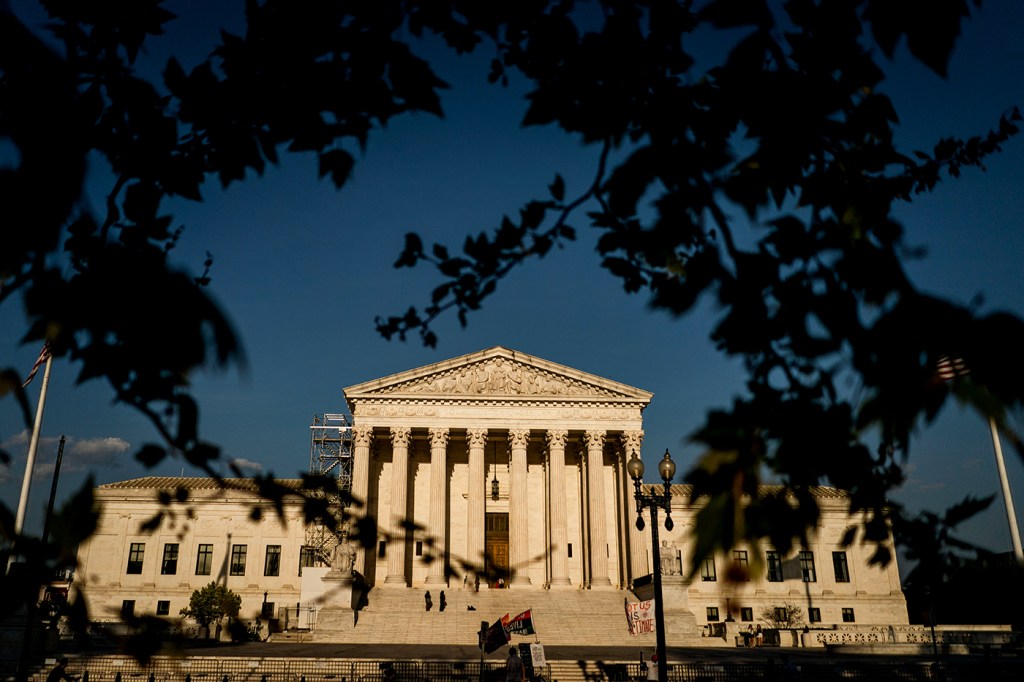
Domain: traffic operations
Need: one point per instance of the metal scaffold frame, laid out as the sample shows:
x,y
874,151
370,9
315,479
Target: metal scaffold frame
x,y
330,454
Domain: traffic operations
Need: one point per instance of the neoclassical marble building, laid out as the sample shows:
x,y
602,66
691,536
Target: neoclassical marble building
x,y
495,458
504,459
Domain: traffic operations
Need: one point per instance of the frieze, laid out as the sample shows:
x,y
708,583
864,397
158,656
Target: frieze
x,y
407,408
498,376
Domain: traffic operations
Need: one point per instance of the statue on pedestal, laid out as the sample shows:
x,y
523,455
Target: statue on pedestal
x,y
344,557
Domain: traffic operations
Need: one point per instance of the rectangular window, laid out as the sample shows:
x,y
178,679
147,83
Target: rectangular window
x,y
707,570
169,566
204,560
163,608
272,565
841,567
135,554
307,558
848,616
747,614
807,567
127,608
570,550
774,567
419,548
814,615
238,554
739,559
712,614
781,614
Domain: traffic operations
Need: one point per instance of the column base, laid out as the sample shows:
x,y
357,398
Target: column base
x,y
520,580
599,584
395,581
436,580
560,583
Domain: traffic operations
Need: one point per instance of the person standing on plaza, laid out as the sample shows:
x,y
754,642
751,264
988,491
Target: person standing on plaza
x,y
759,635
443,603
427,600
60,672
514,671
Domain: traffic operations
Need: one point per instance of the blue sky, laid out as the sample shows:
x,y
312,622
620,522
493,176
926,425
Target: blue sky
x,y
303,269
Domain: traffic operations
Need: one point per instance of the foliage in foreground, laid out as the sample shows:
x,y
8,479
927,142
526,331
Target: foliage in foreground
x,y
791,130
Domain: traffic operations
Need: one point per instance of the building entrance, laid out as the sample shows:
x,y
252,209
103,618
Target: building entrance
x,y
496,549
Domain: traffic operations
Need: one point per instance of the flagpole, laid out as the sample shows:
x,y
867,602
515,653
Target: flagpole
x,y
1004,483
33,447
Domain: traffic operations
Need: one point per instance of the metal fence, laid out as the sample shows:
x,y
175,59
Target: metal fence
x,y
225,669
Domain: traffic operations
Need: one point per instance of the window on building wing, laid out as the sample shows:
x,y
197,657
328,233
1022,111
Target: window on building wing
x,y
707,570
272,565
307,558
807,567
848,616
712,614
238,556
814,615
169,565
163,608
746,614
135,553
204,559
842,569
740,560
774,562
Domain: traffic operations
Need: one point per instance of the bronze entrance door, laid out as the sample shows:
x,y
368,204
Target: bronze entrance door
x,y
496,548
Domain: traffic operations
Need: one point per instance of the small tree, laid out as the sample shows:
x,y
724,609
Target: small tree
x,y
211,603
783,617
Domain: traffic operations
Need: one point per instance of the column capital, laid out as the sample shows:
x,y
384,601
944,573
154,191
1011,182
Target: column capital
x,y
631,442
362,435
400,435
519,438
476,438
556,438
439,437
594,439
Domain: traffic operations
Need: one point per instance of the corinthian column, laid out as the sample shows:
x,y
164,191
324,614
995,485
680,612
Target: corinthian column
x,y
518,538
361,439
556,503
595,489
438,504
477,440
399,505
631,441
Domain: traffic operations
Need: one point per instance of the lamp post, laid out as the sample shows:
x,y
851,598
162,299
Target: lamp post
x,y
655,501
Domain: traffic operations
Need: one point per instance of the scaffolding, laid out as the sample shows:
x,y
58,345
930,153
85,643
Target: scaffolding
x,y
330,454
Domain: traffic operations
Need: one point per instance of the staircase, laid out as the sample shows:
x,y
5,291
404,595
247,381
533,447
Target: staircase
x,y
569,617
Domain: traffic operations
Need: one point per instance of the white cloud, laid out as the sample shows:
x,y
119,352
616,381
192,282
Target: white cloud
x,y
247,466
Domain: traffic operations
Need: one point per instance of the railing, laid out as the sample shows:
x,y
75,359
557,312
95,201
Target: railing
x,y
240,669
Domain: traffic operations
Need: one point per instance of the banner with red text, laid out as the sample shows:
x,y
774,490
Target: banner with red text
x,y
640,616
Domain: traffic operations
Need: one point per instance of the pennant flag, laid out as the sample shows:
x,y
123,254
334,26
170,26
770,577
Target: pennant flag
x,y
40,361
497,636
522,624
640,616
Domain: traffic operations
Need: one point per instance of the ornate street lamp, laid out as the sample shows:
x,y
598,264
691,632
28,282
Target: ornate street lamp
x,y
655,501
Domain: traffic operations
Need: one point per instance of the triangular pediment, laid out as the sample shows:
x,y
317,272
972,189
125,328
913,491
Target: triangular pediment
x,y
497,373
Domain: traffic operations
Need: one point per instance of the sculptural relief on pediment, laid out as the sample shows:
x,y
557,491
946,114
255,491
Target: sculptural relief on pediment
x,y
499,377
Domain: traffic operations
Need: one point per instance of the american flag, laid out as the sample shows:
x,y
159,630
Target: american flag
x,y
40,361
948,368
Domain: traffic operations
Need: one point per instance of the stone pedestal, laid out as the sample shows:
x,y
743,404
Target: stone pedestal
x,y
679,620
338,614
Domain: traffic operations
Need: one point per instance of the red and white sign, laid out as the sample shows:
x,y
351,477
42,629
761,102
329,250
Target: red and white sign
x,y
640,616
